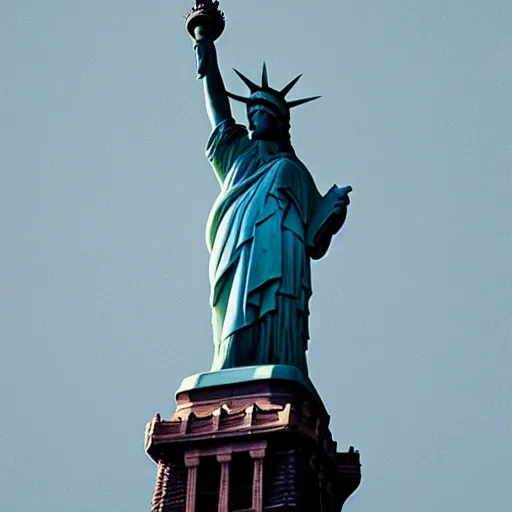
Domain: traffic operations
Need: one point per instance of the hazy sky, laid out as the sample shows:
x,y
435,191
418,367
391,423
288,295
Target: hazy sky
x,y
104,195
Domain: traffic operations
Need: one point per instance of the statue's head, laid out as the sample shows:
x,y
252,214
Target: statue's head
x,y
267,109
264,126
268,121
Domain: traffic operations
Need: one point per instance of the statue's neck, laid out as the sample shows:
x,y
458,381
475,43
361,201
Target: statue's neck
x,y
273,147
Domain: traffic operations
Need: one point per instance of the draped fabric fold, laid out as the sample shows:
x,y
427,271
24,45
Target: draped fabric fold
x,y
259,265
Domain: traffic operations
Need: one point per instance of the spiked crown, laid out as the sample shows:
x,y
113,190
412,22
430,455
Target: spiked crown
x,y
267,98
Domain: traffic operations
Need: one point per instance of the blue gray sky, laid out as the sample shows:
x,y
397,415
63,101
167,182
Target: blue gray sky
x,y
104,195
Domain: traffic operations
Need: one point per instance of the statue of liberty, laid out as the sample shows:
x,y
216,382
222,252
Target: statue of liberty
x,y
268,221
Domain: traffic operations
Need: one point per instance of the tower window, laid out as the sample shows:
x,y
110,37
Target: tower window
x,y
208,484
241,479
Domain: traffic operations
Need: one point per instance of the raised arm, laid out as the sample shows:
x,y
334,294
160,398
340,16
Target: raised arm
x,y
216,99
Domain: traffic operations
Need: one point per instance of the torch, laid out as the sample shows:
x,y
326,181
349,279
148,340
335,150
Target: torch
x,y
205,23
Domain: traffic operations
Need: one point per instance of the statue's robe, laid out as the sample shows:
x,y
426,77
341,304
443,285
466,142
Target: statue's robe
x,y
257,235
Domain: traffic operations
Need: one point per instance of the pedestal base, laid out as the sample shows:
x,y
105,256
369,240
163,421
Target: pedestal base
x,y
249,444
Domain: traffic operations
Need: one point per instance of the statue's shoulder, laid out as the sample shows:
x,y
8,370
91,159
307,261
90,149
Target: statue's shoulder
x,y
231,129
227,132
227,141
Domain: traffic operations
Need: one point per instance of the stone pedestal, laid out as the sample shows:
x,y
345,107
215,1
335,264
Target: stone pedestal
x,y
249,440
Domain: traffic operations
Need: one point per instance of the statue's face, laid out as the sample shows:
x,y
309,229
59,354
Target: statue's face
x,y
263,126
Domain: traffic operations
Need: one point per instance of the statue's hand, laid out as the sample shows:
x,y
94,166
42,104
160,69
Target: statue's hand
x,y
342,200
202,55
327,220
204,49
336,202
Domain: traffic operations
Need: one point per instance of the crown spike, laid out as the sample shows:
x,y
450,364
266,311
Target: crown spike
x,y
264,76
296,103
252,86
238,98
290,86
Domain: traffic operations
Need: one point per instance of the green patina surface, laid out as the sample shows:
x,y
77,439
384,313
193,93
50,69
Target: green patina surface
x,y
248,374
268,222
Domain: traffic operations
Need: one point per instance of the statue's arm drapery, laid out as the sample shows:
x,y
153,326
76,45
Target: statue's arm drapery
x,y
312,217
227,141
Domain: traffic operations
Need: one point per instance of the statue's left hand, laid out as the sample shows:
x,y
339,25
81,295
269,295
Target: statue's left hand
x,y
327,220
337,201
342,199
